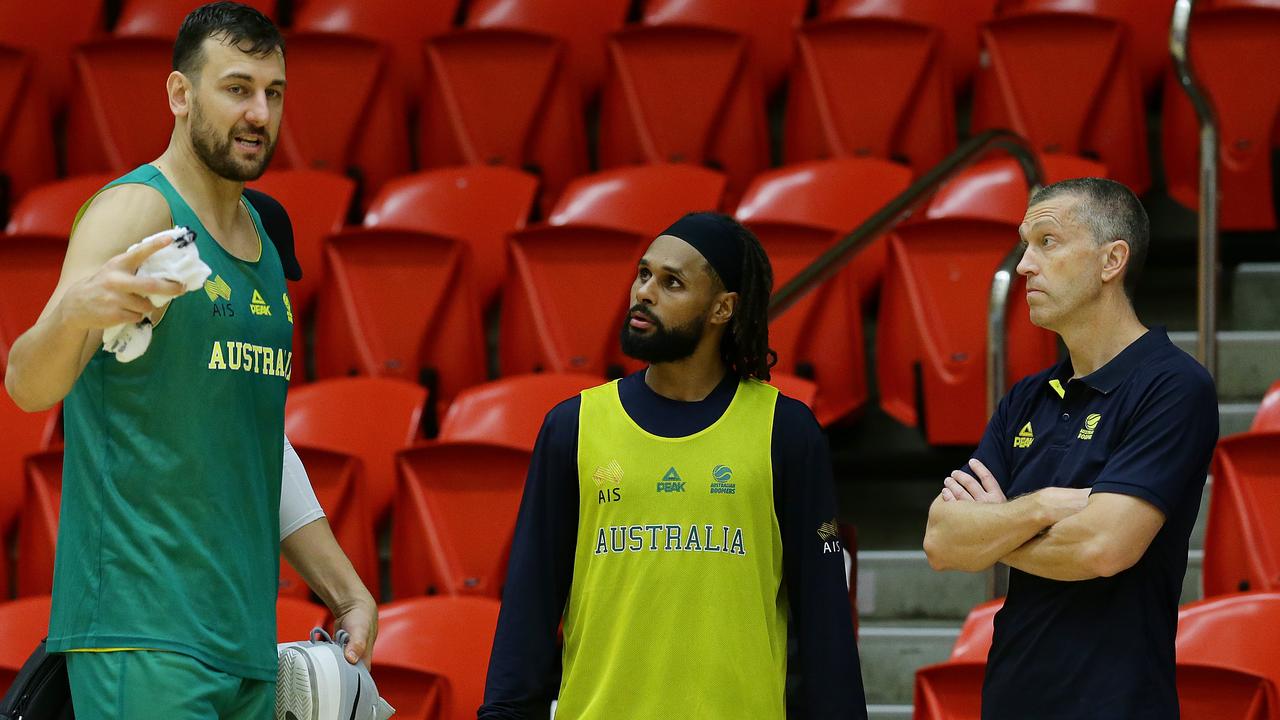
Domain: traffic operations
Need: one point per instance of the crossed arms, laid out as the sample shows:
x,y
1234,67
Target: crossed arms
x,y
1055,533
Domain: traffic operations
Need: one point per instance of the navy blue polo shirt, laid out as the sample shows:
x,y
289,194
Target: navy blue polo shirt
x,y
1144,425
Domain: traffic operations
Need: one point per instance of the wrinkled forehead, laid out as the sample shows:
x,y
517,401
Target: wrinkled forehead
x,y
1053,214
224,59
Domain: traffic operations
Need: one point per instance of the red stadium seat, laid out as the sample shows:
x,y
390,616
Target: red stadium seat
x,y
478,205
295,618
371,418
870,88
50,209
400,304
162,18
510,411
37,536
367,135
563,308
338,480
1268,417
957,19
974,641
583,27
933,321
643,199
24,434
29,269
950,691
453,518
1233,53
1090,106
996,189
27,156
1242,540
415,694
502,97
49,30
1206,692
118,117
449,637
770,26
24,622
1146,22
402,26
1234,632
796,388
683,94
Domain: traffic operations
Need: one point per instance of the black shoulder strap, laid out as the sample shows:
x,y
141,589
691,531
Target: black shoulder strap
x,y
40,690
277,224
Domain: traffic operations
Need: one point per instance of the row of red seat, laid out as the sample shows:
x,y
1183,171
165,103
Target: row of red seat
x,y
1228,662
688,89
430,658
449,243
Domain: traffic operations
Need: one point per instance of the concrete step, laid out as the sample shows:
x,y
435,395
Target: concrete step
x,y
1235,417
900,585
890,655
1254,289
889,712
1248,361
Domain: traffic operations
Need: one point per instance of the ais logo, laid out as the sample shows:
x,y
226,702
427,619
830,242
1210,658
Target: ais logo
x,y
608,480
722,480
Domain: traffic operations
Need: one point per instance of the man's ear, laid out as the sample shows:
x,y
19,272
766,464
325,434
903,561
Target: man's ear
x,y
724,308
179,88
1115,260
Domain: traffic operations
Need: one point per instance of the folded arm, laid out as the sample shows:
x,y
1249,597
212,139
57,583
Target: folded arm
x,y
1109,536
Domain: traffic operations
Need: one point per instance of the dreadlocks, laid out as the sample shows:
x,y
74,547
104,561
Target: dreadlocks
x,y
745,345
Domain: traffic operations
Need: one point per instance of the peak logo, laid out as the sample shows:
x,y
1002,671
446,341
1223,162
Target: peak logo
x,y
671,482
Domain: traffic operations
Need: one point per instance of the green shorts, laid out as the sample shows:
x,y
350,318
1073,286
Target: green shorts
x,y
146,684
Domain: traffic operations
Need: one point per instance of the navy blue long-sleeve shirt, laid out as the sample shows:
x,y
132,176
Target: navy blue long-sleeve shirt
x,y
524,669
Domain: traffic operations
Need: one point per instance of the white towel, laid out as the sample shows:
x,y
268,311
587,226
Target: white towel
x,y
180,262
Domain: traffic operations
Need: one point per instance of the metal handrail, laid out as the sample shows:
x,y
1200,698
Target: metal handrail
x,y
1207,287
899,209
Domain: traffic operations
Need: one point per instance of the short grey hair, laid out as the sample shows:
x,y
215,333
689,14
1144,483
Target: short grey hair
x,y
1110,211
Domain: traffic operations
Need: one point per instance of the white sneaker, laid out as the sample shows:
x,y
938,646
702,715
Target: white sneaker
x,y
314,681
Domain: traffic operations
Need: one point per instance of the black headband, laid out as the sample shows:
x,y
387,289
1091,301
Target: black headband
x,y
716,237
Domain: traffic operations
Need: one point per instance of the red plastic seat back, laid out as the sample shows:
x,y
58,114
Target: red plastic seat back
x,y
51,208
806,391
1090,106
24,434
415,694
453,519
957,19
933,311
565,304
950,691
317,203
295,618
1206,692
643,199
25,622
49,31
29,269
770,26
26,139
583,27
400,304
448,636
1239,632
1242,541
996,188
1268,417
367,135
502,97
476,204
162,18
119,117
369,417
683,94
974,641
510,411
402,26
338,480
870,88
1234,57
37,536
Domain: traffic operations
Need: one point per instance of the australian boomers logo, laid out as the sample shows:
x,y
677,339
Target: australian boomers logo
x,y
219,293
1025,437
1090,425
722,480
664,537
671,482
829,533
608,480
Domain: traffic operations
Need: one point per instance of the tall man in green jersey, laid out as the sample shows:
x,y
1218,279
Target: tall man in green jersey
x,y
168,550
680,521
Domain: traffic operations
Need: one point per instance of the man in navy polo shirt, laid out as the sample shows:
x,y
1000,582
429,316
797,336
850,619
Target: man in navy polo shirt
x,y
1087,481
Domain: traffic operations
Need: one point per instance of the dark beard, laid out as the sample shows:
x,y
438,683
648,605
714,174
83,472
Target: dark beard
x,y
661,345
216,154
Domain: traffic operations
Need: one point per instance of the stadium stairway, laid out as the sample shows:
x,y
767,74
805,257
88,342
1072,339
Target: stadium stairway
x,y
887,476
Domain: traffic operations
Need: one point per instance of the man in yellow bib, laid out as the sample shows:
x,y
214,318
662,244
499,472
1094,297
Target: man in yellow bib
x,y
679,521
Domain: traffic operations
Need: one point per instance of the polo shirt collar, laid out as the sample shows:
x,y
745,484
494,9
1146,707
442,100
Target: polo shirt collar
x,y
1108,377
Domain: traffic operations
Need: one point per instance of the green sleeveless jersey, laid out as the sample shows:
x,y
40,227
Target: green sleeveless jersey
x,y
677,607
168,537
